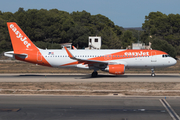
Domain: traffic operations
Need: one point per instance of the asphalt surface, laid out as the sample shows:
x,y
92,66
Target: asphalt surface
x,y
40,107
87,78
25,107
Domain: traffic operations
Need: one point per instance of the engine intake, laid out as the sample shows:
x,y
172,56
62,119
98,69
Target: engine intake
x,y
117,69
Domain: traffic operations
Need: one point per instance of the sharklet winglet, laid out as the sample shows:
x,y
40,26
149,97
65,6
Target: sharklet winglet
x,y
70,54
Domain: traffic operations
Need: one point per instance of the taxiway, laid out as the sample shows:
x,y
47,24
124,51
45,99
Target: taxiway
x,y
42,107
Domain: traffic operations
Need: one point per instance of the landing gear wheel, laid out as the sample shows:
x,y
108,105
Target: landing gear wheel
x,y
94,74
153,74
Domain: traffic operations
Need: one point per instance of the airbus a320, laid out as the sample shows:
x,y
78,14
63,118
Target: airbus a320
x,y
113,61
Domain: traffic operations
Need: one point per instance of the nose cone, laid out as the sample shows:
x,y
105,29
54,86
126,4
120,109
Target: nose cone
x,y
173,61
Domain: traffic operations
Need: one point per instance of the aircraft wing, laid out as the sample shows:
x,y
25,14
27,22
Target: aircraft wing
x,y
74,48
85,61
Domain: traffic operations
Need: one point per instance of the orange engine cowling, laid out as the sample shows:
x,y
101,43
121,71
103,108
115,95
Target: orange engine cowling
x,y
117,69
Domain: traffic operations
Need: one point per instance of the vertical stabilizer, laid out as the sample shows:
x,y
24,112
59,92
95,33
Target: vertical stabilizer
x,y
19,39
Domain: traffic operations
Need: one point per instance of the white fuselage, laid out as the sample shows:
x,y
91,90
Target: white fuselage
x,y
57,58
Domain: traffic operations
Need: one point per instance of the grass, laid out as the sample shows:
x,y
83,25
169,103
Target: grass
x,y
101,88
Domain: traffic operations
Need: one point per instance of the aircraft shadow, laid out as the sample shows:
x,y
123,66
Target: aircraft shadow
x,y
132,76
88,76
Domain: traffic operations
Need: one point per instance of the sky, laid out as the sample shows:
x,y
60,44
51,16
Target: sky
x,y
125,13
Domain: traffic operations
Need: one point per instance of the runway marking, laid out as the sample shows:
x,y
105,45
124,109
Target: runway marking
x,y
171,112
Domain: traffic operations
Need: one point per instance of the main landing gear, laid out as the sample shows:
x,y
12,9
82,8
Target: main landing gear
x,y
152,72
94,74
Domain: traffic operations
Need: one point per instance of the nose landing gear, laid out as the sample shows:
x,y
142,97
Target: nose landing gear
x,y
152,72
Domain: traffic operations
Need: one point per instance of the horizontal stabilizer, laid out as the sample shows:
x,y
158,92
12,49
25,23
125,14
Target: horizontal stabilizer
x,y
12,54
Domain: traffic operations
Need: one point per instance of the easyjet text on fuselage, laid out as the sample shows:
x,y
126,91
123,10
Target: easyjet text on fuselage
x,y
141,53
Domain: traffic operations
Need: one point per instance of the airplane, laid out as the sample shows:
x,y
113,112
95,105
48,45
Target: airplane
x,y
113,61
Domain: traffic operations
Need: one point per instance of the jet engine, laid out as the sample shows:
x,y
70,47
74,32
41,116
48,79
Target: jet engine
x,y
117,69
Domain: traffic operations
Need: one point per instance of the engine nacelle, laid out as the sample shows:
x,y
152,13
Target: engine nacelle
x,y
116,69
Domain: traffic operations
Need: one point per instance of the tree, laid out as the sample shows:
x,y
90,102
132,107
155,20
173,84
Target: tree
x,y
162,45
127,38
164,27
78,35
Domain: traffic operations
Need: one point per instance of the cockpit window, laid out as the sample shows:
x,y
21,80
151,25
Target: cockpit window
x,y
165,56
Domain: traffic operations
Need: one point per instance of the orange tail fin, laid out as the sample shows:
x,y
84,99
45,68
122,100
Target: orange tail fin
x,y
19,39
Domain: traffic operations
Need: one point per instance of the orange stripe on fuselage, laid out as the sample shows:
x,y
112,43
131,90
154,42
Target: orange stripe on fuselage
x,y
72,63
